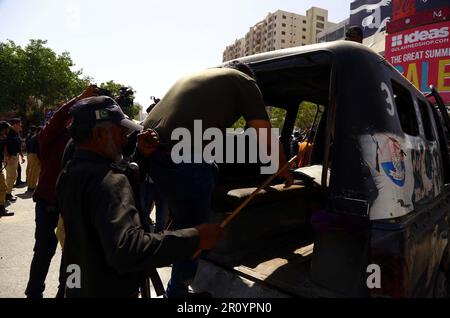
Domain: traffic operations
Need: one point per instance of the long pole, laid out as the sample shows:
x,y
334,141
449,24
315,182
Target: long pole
x,y
239,209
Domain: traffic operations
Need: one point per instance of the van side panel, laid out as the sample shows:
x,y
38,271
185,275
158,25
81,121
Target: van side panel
x,y
410,252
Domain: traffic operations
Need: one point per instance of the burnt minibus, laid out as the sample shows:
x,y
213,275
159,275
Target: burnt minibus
x,y
369,215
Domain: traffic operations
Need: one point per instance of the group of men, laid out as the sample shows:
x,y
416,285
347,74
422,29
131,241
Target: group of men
x,y
90,184
10,156
94,189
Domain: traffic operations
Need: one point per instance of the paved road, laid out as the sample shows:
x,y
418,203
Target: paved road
x,y
16,249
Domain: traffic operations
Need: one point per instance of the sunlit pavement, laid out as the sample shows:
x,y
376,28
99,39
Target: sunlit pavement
x,y
16,249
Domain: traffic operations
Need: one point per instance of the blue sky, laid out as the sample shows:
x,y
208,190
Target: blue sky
x,y
146,44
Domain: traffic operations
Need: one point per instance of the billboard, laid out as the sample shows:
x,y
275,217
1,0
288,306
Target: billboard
x,y
422,55
374,15
420,17
371,15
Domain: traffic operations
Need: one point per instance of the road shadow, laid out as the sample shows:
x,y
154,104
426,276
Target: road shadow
x,y
21,186
26,195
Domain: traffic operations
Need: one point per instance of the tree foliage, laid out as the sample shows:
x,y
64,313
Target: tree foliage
x,y
240,123
35,78
306,115
277,117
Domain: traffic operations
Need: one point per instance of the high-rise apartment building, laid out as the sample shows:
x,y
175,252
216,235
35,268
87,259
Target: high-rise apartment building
x,y
280,30
337,32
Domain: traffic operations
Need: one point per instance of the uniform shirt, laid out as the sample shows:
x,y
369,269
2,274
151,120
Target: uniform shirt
x,y
33,145
218,97
104,234
13,143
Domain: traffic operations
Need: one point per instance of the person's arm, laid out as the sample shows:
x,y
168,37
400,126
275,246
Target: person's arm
x,y
264,124
127,247
60,119
146,143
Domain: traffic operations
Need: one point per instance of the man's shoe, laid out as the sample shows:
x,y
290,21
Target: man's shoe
x,y
3,212
10,197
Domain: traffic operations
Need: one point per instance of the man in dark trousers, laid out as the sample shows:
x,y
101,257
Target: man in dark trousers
x,y
33,161
52,142
218,97
13,150
4,128
106,246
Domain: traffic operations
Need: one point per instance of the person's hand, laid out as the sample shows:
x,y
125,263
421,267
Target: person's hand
x,y
91,91
147,142
286,175
209,234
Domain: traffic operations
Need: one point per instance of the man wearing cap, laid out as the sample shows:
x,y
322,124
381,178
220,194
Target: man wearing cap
x,y
33,162
354,34
52,142
4,128
13,150
105,239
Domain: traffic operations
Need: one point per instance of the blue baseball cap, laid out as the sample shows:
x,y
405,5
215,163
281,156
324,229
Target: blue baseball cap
x,y
92,110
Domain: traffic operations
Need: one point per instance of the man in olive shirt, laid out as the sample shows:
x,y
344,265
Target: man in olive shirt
x,y
218,97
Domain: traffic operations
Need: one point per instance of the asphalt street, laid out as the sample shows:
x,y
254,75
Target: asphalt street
x,y
16,248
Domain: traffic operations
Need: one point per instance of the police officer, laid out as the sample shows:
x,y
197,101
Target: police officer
x,y
105,240
13,150
4,128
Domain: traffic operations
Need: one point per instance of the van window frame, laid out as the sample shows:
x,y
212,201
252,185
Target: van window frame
x,y
413,108
431,122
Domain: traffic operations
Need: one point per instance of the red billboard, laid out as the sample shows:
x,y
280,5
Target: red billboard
x,y
422,55
419,18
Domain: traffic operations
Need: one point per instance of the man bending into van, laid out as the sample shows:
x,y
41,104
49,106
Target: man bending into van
x,y
217,97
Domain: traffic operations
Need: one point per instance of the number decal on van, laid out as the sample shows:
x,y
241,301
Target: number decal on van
x,y
389,99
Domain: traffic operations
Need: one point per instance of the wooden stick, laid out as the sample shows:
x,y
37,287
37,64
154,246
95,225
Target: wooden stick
x,y
250,198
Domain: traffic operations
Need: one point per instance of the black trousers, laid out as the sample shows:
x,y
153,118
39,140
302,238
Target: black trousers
x,y
44,249
19,173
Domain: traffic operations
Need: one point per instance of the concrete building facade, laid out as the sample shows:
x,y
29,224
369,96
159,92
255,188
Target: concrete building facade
x,y
334,33
280,30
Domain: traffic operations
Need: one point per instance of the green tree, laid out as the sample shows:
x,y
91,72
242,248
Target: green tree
x,y
277,117
306,115
14,91
134,111
35,77
239,124
305,118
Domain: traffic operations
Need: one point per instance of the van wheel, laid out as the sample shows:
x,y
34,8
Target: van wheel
x,y
441,288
